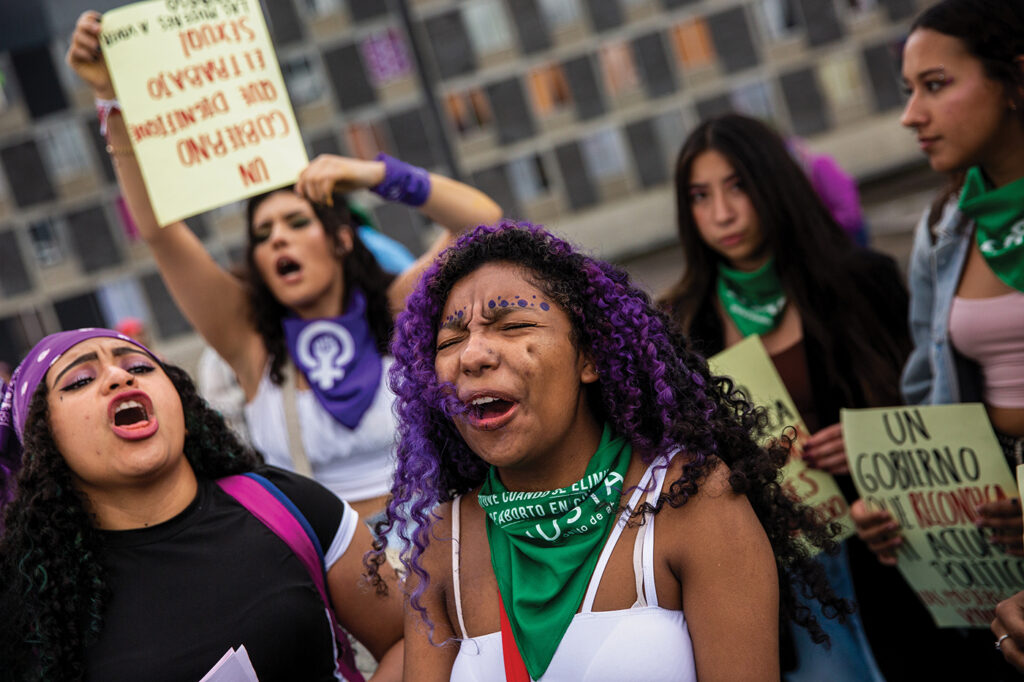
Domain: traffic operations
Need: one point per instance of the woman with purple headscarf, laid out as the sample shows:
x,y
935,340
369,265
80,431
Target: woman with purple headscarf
x,y
587,501
123,557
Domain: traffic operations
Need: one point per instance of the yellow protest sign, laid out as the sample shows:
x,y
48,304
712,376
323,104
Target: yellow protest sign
x,y
930,467
204,101
751,368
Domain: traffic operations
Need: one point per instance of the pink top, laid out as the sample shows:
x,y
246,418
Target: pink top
x,y
990,331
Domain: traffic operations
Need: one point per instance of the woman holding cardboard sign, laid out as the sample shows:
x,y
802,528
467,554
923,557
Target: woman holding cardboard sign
x,y
315,300
963,67
764,256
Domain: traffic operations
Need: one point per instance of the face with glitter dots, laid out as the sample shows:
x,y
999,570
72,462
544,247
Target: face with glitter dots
x,y
508,350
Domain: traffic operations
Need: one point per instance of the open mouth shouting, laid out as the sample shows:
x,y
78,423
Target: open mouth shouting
x,y
131,416
489,411
286,268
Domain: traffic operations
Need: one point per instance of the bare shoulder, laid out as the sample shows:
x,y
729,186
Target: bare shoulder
x,y
714,514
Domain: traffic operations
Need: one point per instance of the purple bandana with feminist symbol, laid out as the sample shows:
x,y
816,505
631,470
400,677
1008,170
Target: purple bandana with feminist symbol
x,y
16,396
339,358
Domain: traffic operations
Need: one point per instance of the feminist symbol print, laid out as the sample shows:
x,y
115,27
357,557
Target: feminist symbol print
x,y
324,348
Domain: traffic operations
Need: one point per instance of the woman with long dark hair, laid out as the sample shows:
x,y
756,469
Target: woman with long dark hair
x,y
124,557
586,500
963,69
316,299
763,255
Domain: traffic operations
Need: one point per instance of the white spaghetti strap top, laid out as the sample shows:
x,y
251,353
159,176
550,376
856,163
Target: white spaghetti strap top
x,y
643,642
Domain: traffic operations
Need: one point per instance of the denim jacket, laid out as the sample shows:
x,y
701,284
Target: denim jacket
x,y
935,374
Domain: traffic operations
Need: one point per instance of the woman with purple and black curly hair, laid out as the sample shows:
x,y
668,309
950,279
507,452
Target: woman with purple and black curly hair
x,y
549,414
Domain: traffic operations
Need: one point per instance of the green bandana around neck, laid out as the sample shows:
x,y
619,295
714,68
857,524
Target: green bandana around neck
x,y
754,300
545,545
998,215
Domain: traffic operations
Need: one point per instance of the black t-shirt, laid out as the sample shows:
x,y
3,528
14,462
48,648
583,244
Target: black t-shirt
x,y
212,578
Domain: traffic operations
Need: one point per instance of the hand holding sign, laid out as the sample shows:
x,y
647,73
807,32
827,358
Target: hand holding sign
x,y
1003,517
825,450
879,531
940,473
86,59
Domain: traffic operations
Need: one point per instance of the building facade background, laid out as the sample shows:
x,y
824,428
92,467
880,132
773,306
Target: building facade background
x,y
568,112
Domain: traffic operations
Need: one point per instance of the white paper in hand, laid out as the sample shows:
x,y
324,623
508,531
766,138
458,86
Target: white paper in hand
x,y
233,666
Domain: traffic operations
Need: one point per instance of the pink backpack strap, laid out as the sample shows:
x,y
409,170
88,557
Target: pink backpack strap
x,y
268,504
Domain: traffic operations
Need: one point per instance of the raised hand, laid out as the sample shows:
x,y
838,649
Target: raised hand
x,y
85,57
329,173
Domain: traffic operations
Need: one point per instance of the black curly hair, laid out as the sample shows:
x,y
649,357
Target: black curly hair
x,y
360,270
653,389
52,585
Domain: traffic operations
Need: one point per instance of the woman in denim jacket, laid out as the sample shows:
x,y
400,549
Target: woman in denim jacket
x,y
963,68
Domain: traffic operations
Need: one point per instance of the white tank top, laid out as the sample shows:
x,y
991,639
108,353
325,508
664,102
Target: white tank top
x,y
643,642
356,464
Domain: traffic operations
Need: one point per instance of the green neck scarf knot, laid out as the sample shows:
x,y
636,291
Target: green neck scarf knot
x,y
545,545
998,215
755,300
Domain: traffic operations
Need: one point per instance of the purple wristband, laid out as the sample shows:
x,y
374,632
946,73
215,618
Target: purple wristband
x,y
403,182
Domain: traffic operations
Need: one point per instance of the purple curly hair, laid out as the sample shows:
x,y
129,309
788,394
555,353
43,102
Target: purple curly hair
x,y
652,389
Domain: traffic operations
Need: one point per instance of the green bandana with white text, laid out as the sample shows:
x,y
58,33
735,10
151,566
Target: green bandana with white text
x,y
754,300
545,545
998,215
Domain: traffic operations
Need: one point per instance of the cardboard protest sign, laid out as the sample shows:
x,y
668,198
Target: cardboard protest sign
x,y
930,467
751,368
204,102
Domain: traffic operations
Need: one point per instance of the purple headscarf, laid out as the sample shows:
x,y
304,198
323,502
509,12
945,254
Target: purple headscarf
x,y
15,396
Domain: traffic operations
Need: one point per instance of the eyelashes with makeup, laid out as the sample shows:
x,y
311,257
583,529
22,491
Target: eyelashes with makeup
x,y
511,326
931,86
79,380
261,236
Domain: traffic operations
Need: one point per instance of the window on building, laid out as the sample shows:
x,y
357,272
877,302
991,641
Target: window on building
x,y
386,56
322,8
349,79
453,52
619,68
528,179
26,173
734,43
123,298
302,80
40,84
782,18
92,239
46,243
840,79
488,27
672,129
14,278
469,111
549,89
560,14
753,99
366,140
605,155
511,111
692,43
64,151
584,87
